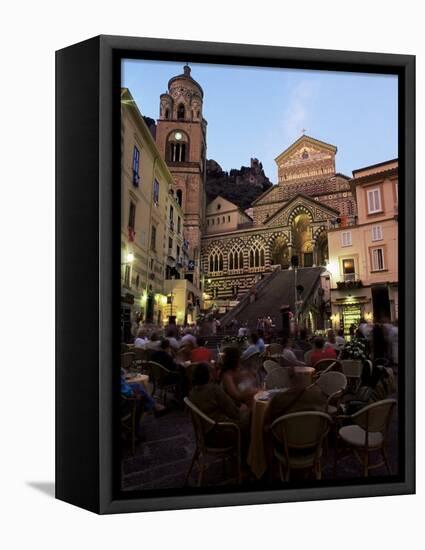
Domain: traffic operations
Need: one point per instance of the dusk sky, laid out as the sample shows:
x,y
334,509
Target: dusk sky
x,y
259,112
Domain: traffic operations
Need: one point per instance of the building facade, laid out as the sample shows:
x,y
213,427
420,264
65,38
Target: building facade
x,y
289,220
363,258
181,141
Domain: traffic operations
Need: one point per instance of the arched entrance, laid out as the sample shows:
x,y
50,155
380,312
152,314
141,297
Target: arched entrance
x,y
279,252
322,252
302,245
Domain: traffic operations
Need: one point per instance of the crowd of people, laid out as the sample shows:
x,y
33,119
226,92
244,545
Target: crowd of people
x,y
223,386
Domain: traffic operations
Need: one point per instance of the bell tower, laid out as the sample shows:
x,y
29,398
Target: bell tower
x,y
181,140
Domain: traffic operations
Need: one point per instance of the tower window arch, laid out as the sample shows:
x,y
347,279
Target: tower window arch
x,y
179,195
178,147
180,112
167,113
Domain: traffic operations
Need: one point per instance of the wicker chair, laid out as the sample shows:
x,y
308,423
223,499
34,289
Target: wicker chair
x,y
269,365
298,440
200,421
275,349
367,433
326,365
278,378
127,360
162,379
332,385
353,371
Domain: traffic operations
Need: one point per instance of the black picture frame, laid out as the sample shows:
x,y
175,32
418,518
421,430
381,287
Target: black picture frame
x,y
88,251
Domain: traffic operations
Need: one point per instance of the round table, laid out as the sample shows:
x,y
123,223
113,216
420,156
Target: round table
x,y
256,453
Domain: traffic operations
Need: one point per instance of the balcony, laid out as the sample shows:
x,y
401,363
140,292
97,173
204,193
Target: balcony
x,y
342,221
350,281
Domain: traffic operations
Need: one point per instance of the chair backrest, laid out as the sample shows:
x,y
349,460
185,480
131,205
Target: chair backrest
x,y
140,354
199,421
332,382
352,368
157,371
375,417
127,360
327,365
301,430
275,349
278,378
270,365
307,355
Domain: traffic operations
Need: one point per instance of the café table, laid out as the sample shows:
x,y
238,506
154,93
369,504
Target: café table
x,y
256,452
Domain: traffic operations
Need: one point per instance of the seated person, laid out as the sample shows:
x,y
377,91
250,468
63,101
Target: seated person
x,y
154,342
144,402
240,388
302,341
200,354
252,348
163,356
188,338
288,356
260,342
170,334
297,399
215,403
141,339
321,352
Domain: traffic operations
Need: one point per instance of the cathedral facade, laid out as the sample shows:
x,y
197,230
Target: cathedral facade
x,y
289,220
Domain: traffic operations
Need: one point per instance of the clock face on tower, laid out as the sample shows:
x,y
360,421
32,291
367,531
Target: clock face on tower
x,y
178,136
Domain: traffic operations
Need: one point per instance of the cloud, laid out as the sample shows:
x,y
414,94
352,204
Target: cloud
x,y
297,113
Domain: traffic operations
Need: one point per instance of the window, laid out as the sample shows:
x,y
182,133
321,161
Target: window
x,y
132,216
346,238
138,281
127,273
178,147
167,113
170,243
224,219
376,233
178,253
215,261
378,259
171,218
348,270
153,238
228,218
374,201
218,221
156,192
136,158
180,112
179,225
179,196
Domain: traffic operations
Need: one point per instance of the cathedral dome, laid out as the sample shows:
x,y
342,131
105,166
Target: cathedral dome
x,y
184,80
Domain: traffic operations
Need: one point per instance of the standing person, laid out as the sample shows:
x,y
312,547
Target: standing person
x,y
302,342
339,339
331,341
135,326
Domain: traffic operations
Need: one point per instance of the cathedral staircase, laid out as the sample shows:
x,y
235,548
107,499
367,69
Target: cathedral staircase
x,y
273,292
